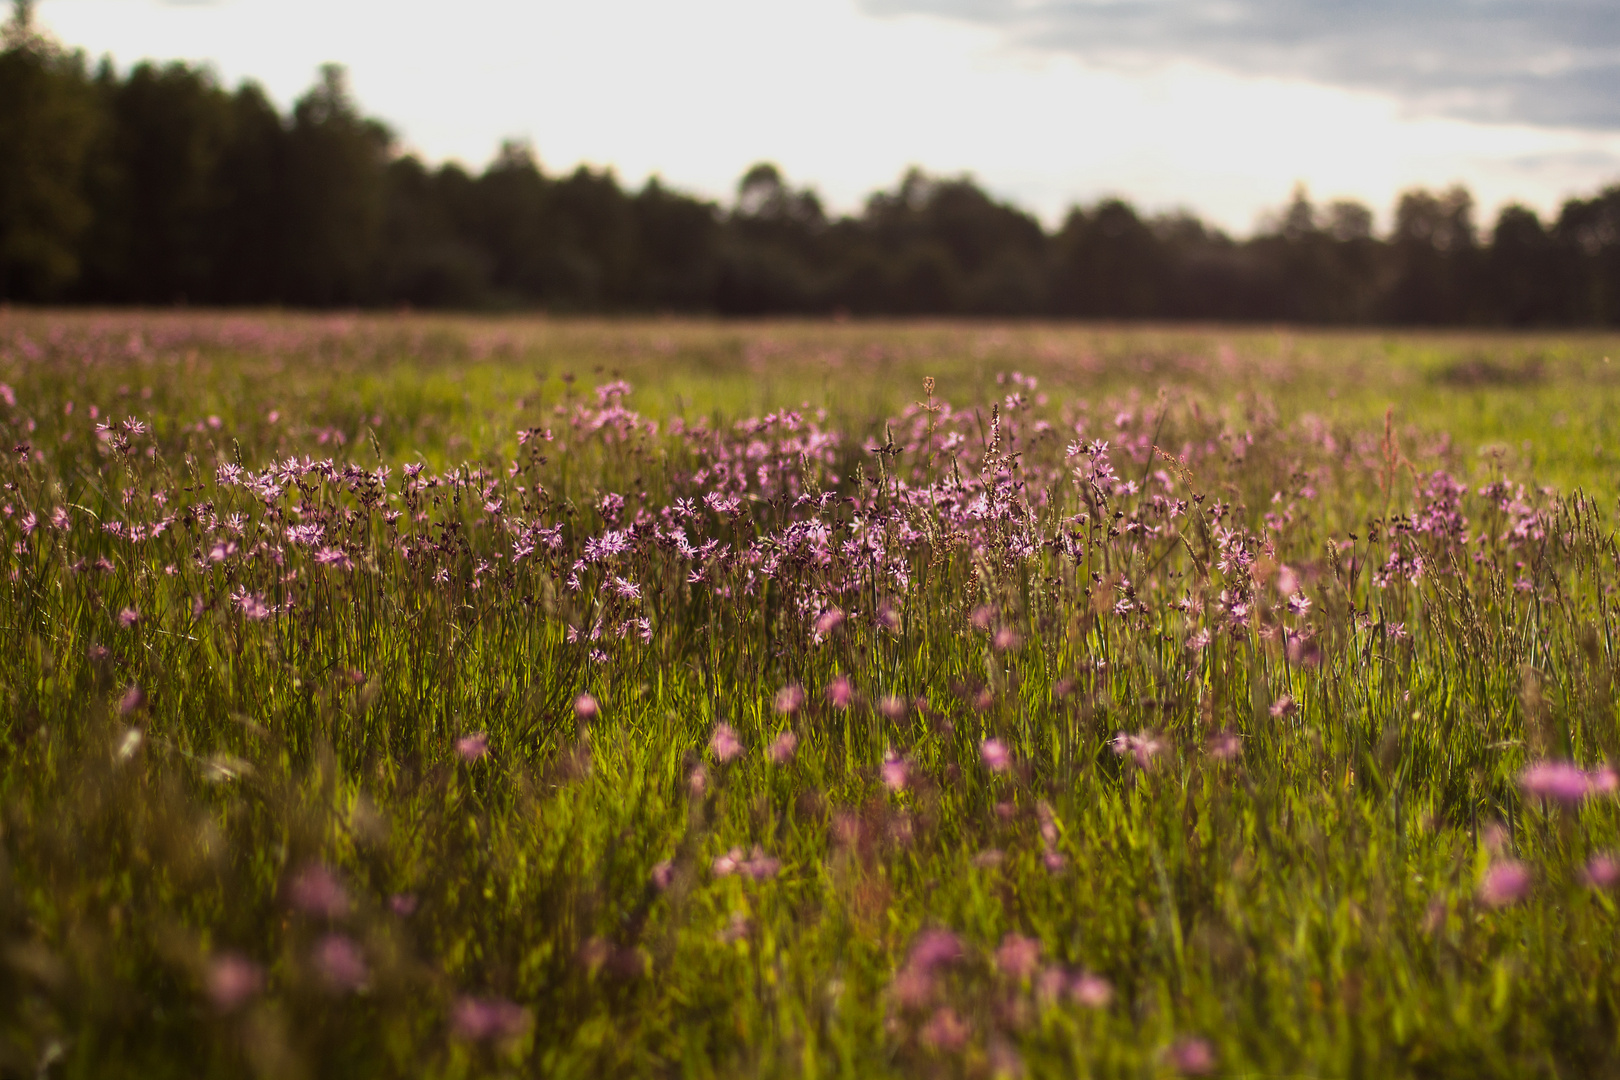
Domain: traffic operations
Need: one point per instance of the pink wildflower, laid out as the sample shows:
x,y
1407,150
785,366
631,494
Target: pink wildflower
x,y
128,617
134,700
1193,1056
893,707
232,981
1018,956
663,875
402,904
1602,872
697,780
783,747
759,865
473,747
724,745
1283,706
945,1031
840,692
1006,640
1142,747
789,699
1505,883
475,1019
913,987
894,772
1555,781
935,948
585,708
1092,991
334,558
995,755
727,864
340,963
316,891
828,621
1225,746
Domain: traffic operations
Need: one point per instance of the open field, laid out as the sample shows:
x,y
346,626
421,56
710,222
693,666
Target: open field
x,y
398,696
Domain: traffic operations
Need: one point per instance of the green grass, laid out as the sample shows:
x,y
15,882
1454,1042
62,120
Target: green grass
x,y
177,767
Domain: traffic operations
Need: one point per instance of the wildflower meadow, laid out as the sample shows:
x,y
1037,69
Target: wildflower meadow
x,y
406,696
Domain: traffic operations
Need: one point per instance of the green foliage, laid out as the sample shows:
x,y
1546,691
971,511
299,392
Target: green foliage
x,y
332,806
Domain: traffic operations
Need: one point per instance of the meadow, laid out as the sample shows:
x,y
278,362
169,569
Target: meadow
x,y
415,696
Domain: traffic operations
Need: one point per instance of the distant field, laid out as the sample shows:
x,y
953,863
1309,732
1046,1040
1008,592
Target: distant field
x,y
408,695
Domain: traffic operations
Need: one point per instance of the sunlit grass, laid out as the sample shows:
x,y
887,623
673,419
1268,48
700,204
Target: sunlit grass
x,y
1204,751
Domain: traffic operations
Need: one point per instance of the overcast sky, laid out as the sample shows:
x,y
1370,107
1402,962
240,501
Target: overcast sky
x,y
1218,106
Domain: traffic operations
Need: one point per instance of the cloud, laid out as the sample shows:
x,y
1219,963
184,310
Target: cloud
x,y
1552,63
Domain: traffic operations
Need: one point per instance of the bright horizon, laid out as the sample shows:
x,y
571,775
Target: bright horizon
x,y
844,96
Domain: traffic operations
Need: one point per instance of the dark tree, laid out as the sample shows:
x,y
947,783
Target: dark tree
x,y
336,177
48,119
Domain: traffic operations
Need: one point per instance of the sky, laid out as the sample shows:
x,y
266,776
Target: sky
x,y
1216,106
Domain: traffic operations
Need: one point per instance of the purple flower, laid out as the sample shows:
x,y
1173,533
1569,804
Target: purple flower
x,y
402,904
759,865
727,864
663,874
1092,991
1018,956
697,780
894,772
1507,882
474,746
783,747
1602,872
585,707
933,949
995,755
828,621
840,692
1193,1056
724,744
128,617
945,1031
476,1019
893,707
1283,706
334,558
317,892
1142,747
1605,781
253,608
1556,781
132,701
232,981
1225,746
339,962
789,699
913,987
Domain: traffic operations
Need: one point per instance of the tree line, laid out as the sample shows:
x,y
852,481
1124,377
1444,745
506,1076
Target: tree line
x,y
160,186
